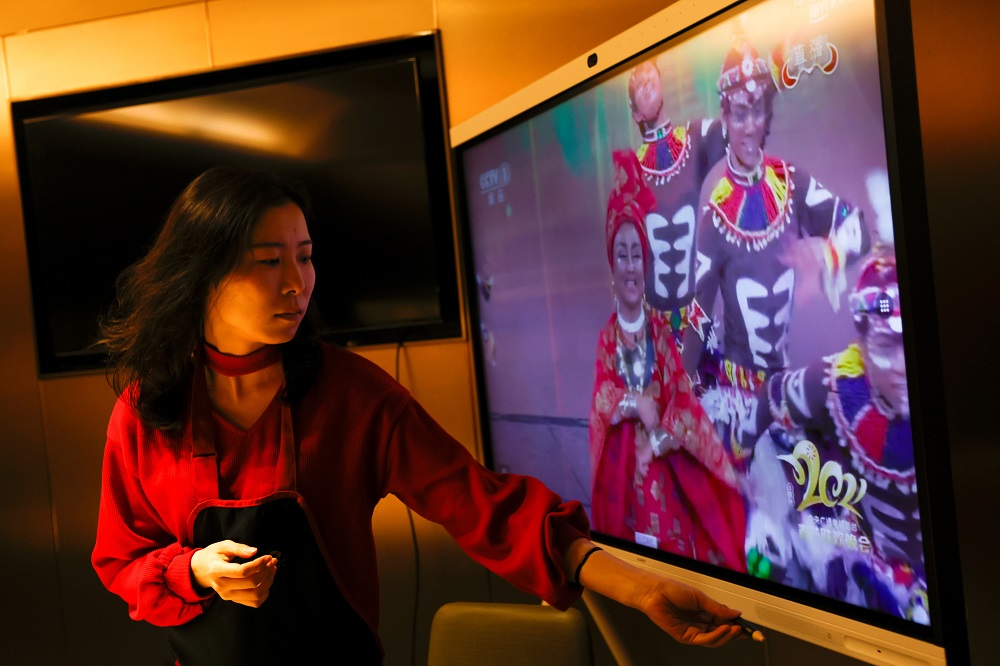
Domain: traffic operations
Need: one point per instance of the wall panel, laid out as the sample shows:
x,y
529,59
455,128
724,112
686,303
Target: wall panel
x,y
112,51
27,537
25,15
492,50
253,30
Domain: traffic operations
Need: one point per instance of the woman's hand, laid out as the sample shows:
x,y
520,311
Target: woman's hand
x,y
647,411
689,615
686,613
246,583
662,442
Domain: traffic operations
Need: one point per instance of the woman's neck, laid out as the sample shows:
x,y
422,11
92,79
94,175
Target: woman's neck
x,y
245,384
232,365
242,399
631,324
241,387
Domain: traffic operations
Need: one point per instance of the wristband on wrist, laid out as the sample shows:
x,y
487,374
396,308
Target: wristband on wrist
x,y
583,560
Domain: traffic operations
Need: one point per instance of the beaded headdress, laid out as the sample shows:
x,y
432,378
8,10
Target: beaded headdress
x,y
875,300
743,69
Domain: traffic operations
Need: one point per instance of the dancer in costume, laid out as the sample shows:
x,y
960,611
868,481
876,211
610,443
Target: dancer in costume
x,y
660,474
849,415
674,160
757,207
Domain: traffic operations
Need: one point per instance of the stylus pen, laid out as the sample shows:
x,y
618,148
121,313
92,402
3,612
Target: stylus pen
x,y
751,628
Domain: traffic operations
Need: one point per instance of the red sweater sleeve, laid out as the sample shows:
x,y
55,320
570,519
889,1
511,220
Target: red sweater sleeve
x,y
136,555
511,524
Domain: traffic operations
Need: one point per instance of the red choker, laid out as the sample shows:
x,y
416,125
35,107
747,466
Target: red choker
x,y
234,366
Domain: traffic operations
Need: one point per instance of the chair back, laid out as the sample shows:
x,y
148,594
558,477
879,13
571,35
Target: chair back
x,y
502,634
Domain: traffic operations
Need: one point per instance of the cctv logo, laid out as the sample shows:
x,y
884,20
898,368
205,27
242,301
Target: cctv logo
x,y
494,178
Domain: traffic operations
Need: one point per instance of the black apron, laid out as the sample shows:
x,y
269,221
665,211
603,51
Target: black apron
x,y
305,618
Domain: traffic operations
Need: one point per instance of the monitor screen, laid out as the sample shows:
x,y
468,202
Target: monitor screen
x,y
696,271
361,128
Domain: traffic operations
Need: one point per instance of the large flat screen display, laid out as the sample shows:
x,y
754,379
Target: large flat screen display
x,y
362,128
699,282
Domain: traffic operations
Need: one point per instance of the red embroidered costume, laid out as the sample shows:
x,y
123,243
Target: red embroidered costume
x,y
687,500
684,499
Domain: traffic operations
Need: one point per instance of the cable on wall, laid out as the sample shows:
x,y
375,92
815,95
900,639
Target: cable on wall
x,y
416,549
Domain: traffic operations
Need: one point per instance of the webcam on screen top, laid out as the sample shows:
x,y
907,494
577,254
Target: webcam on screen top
x,y
591,60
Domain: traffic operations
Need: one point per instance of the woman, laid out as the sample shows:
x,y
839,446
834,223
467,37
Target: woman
x,y
244,458
660,475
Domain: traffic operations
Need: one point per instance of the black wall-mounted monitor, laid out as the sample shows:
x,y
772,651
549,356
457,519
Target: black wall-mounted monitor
x,y
774,305
362,128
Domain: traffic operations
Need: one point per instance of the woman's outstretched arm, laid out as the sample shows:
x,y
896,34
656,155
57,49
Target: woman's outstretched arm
x,y
686,613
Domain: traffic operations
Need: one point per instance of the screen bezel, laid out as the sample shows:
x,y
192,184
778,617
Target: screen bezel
x,y
422,48
858,632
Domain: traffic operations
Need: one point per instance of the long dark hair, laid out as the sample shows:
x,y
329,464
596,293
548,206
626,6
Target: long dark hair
x,y
157,320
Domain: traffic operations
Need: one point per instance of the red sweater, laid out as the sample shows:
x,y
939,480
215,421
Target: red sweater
x,y
360,436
